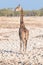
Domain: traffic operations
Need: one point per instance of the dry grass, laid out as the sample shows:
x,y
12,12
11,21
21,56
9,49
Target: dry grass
x,y
13,22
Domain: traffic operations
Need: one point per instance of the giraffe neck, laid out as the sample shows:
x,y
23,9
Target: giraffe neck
x,y
21,19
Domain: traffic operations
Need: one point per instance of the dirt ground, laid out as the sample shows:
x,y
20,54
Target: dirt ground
x,y
10,43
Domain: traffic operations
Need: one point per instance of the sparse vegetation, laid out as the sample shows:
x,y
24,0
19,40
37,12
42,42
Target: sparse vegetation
x,y
11,12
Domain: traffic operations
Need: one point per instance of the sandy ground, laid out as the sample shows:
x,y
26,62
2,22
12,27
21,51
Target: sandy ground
x,y
10,43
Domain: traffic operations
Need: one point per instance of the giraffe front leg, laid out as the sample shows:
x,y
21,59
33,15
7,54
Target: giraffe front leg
x,y
25,46
20,45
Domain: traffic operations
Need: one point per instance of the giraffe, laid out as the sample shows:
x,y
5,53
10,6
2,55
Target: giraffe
x,y
23,32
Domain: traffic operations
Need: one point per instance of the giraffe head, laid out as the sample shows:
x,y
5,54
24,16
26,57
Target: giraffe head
x,y
18,8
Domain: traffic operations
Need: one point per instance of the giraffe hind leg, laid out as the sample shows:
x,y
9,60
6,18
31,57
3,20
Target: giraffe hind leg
x,y
20,45
25,46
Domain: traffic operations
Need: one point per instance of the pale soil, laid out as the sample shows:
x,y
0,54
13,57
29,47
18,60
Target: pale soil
x,y
10,43
13,22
